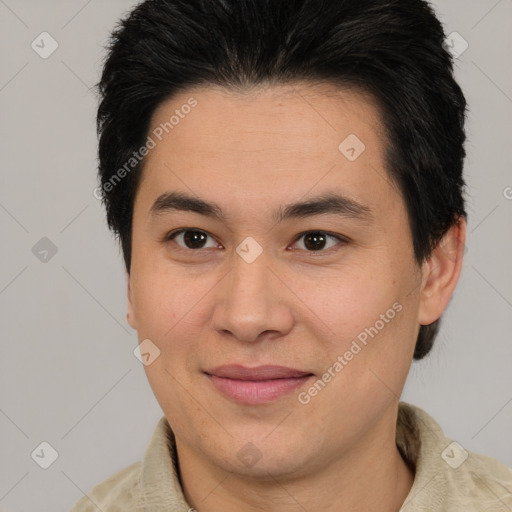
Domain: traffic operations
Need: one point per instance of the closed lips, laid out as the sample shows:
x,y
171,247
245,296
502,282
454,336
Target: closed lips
x,y
258,373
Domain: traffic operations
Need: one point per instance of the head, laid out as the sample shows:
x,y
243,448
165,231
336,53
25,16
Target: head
x,y
248,107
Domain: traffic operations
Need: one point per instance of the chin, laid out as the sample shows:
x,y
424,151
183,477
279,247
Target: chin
x,y
265,460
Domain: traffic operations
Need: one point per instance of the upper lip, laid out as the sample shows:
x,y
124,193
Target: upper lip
x,y
266,372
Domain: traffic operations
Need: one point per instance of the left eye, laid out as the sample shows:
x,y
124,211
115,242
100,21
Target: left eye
x,y
317,240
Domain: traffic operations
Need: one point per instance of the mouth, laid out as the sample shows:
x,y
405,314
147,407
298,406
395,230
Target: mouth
x,y
258,385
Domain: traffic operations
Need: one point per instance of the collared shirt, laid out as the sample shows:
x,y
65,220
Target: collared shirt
x,y
447,476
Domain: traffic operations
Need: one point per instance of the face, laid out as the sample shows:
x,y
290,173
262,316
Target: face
x,y
328,289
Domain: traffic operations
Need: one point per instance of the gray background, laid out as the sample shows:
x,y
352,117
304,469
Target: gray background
x,y
68,375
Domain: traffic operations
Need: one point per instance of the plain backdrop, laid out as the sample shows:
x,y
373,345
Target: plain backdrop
x,y
68,375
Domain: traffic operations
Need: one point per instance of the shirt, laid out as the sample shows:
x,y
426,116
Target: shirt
x,y
447,476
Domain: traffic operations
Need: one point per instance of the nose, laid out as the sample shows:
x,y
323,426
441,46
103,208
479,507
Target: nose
x,y
252,302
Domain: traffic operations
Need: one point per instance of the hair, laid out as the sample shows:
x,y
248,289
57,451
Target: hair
x,y
394,50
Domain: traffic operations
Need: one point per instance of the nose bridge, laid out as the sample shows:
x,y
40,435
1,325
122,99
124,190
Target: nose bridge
x,y
249,302
248,285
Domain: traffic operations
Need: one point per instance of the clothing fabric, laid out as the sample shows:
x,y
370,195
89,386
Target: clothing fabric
x,y
448,478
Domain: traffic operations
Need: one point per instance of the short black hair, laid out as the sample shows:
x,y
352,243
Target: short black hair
x,y
392,49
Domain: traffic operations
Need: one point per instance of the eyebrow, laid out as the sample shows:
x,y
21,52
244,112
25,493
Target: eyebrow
x,y
327,203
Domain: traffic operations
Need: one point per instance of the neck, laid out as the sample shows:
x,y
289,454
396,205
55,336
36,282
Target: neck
x,y
371,476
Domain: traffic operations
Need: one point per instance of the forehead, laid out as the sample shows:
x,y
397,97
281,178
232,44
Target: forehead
x,y
311,116
242,144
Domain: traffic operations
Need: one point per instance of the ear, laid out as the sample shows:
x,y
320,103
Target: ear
x,y
441,273
130,316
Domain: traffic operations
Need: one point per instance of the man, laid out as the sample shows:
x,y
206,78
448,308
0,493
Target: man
x,y
285,179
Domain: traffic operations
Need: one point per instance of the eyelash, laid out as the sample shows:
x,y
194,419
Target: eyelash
x,y
341,240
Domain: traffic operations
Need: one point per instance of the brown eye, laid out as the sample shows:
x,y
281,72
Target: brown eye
x,y
191,239
318,240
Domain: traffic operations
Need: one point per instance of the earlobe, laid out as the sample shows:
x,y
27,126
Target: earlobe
x,y
130,315
441,273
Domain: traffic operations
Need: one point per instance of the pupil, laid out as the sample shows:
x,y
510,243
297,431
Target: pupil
x,y
317,239
194,237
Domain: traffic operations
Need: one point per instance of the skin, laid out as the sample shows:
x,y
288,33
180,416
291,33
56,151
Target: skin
x,y
251,153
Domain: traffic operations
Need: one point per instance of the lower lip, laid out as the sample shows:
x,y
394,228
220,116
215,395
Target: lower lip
x,y
258,391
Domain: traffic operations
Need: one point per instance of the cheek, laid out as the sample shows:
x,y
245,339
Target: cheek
x,y
160,297
171,309
170,313
372,305
352,300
